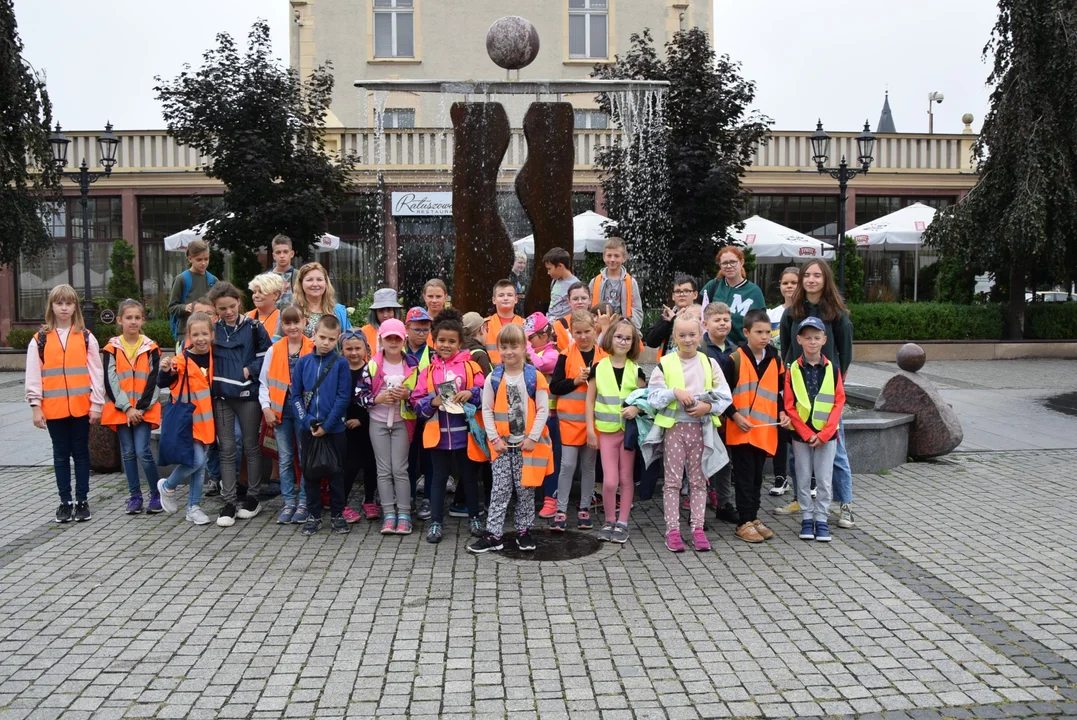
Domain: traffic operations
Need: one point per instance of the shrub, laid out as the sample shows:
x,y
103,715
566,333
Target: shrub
x,y
360,312
927,321
157,330
19,338
122,284
1051,321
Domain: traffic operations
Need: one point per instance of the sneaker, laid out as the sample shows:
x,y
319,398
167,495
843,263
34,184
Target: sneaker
x,y
134,505
403,525
82,511
686,503
311,526
227,516
165,498
458,511
606,533
791,509
196,515
65,512
450,485
845,517
780,485
748,533
674,541
350,516
728,514
822,532
371,510
388,525
764,532
155,504
487,543
583,520
525,542
340,525
420,485
700,541
558,522
286,514
248,508
212,488
712,498
620,534
433,533
476,528
549,508
301,515
424,510
813,488
807,530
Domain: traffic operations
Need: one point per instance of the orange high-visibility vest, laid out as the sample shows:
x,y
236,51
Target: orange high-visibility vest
x,y
538,463
270,323
65,376
196,389
432,430
572,408
494,323
371,334
596,285
561,333
756,399
133,379
279,379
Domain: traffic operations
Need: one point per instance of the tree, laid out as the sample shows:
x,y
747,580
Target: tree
x,y
122,283
677,180
1022,214
29,183
263,129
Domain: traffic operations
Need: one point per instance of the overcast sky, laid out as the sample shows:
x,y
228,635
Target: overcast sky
x,y
827,58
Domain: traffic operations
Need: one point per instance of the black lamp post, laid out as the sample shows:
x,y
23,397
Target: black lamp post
x,y
865,145
107,144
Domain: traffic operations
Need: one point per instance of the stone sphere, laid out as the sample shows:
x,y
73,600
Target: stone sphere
x,y
512,42
967,118
911,357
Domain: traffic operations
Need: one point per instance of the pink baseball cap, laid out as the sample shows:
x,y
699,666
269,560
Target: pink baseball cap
x,y
535,323
392,326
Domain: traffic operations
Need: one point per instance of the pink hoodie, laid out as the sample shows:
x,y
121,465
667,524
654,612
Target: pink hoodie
x,y
422,399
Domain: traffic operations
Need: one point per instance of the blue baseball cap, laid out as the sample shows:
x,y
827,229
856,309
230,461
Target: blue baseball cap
x,y
418,314
811,322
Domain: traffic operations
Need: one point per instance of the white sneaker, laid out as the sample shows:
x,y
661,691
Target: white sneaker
x,y
780,486
450,485
168,497
195,515
420,484
845,517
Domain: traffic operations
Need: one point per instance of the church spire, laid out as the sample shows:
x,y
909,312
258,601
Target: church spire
x,y
886,120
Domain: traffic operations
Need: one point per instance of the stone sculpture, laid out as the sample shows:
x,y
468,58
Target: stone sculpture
x,y
936,430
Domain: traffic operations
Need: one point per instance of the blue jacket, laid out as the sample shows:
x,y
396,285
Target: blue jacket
x,y
330,404
236,348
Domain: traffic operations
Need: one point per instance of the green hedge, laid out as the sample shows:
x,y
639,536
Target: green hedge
x,y
160,331
1051,321
945,321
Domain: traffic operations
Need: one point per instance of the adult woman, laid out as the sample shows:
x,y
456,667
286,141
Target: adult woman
x,y
314,294
817,296
734,289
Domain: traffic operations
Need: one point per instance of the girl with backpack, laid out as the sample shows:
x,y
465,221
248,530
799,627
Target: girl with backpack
x,y
65,390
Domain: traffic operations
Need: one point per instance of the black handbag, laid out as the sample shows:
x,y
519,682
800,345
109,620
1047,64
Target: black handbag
x,y
321,460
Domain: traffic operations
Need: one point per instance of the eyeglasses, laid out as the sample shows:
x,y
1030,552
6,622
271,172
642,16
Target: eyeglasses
x,y
683,292
622,338
730,263
420,331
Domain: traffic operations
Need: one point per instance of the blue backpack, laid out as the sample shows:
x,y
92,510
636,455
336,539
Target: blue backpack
x,y
187,282
530,379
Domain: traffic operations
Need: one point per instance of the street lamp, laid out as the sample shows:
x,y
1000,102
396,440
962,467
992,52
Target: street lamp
x,y
820,145
107,144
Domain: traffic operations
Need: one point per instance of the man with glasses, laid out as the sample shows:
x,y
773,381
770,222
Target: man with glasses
x,y
661,334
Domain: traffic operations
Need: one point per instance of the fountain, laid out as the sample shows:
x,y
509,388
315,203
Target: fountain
x,y
481,133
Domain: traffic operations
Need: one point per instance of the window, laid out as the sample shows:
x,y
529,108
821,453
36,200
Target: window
x,y
587,20
398,118
63,263
394,29
358,266
592,120
159,217
815,215
873,207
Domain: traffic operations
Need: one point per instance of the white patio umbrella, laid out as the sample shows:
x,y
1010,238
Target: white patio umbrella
x,y
773,243
178,242
588,234
901,230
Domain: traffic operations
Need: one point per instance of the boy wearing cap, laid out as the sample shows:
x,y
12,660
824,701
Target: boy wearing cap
x,y
384,307
418,355
814,400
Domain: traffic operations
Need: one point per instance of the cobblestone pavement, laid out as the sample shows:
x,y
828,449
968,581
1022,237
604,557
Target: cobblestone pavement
x,y
953,598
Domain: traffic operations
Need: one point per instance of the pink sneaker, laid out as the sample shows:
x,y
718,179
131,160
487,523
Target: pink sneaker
x,y
350,516
712,498
371,510
389,526
699,539
674,541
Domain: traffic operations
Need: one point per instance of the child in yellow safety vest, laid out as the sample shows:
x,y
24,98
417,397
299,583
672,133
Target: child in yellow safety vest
x,y
689,393
814,400
131,364
64,389
615,378
515,404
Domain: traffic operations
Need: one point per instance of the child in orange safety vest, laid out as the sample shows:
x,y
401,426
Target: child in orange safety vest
x,y
132,362
64,389
515,404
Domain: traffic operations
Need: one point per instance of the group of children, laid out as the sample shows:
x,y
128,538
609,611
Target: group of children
x,y
504,405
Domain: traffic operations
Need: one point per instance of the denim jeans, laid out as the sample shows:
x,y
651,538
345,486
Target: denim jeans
x,y
135,451
213,462
71,440
287,435
195,476
842,480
